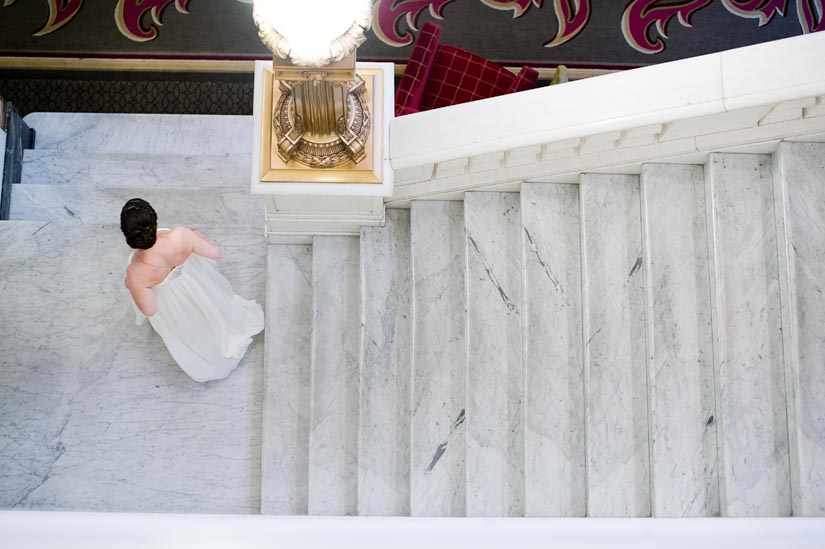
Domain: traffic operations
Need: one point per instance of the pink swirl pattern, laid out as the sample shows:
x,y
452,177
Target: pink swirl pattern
x,y
518,6
60,13
129,16
641,15
764,10
811,15
573,16
387,14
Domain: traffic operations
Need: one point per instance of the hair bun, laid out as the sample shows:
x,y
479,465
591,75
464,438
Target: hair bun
x,y
139,223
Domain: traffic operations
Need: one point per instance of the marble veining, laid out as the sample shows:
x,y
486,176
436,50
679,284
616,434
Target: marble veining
x,y
749,361
439,359
167,169
679,342
285,439
333,437
385,380
801,201
616,414
495,436
553,369
94,413
81,204
143,133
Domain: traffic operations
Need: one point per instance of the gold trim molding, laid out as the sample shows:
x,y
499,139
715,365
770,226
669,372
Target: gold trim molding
x,y
142,65
202,65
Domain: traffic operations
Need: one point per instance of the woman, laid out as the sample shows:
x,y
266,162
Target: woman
x,y
173,281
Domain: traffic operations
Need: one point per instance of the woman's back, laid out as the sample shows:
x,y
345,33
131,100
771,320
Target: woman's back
x,y
150,267
171,249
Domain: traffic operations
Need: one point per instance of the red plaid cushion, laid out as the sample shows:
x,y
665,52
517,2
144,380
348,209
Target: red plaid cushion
x,y
458,76
525,80
412,83
438,76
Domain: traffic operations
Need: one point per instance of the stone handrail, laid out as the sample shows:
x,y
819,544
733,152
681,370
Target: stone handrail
x,y
433,150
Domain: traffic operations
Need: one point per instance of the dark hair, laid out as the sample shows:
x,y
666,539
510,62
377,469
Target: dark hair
x,y
139,224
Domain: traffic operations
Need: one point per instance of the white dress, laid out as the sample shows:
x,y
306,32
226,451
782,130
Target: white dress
x,y
205,325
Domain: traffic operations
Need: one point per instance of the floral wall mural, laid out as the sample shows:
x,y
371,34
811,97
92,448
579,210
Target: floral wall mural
x,y
572,16
128,16
644,22
644,26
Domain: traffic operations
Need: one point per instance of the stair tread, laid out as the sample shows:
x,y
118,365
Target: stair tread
x,y
682,403
802,218
136,170
618,483
439,358
385,370
495,382
85,204
158,133
554,373
286,413
333,437
750,372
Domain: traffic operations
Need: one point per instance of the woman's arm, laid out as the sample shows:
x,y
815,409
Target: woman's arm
x,y
143,297
203,236
204,246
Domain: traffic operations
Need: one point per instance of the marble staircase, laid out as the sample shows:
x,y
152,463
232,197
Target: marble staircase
x,y
628,346
631,346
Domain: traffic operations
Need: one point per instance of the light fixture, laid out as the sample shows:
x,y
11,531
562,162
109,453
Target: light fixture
x,y
321,116
320,148
312,33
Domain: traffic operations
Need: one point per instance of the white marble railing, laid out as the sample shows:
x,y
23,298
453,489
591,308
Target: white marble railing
x,y
681,110
2,160
35,530
2,156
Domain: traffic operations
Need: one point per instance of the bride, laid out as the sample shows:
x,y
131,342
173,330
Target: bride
x,y
174,282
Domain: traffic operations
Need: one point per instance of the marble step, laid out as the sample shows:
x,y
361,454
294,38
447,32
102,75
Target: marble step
x,y
334,399
143,169
800,171
385,369
800,197
142,133
495,376
681,391
82,204
553,368
439,360
616,407
286,402
748,347
95,414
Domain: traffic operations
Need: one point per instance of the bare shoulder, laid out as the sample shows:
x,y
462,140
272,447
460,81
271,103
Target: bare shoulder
x,y
180,232
179,237
134,275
